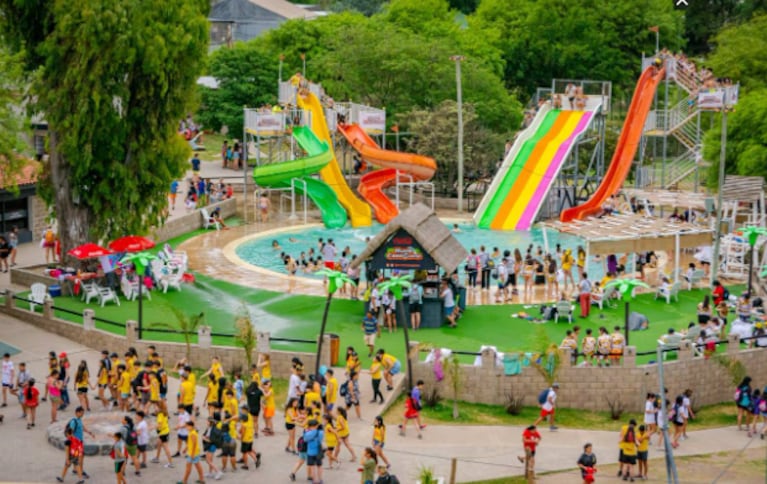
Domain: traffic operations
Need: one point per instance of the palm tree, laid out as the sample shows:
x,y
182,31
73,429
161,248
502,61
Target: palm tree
x,y
626,289
187,326
245,334
752,234
396,284
140,261
336,280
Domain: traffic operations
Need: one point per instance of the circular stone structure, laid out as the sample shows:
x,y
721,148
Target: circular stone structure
x,y
103,425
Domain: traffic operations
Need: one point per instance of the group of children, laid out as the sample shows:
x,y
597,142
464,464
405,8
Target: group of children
x,y
607,348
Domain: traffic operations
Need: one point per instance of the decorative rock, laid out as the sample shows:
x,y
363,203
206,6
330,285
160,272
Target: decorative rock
x,y
103,425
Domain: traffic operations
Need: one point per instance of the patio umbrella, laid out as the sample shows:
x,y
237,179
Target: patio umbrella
x,y
88,251
131,243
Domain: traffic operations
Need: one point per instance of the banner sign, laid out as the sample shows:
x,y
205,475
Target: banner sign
x,y
401,251
711,99
373,122
269,123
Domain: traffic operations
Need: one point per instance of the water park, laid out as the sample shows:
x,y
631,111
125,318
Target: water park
x,y
603,256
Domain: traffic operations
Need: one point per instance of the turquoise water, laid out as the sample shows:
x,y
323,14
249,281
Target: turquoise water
x,y
259,251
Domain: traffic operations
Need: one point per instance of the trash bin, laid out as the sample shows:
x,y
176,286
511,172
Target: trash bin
x,y
335,348
54,290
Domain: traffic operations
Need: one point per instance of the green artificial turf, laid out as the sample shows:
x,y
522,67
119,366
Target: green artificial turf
x,y
297,316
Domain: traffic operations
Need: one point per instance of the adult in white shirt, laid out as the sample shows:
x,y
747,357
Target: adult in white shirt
x,y
8,373
503,275
548,408
448,303
294,384
142,436
329,254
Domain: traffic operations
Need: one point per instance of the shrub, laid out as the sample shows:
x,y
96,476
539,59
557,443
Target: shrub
x,y
514,403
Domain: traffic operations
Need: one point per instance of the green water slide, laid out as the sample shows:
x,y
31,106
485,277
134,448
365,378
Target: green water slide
x,y
318,155
516,167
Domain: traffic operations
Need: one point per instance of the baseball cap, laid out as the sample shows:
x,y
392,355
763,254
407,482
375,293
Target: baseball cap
x,y
62,355
555,385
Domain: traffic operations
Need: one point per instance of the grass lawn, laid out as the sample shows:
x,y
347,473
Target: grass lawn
x,y
297,316
712,416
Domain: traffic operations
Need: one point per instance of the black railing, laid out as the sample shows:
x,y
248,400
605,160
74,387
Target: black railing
x,y
66,310
294,340
109,322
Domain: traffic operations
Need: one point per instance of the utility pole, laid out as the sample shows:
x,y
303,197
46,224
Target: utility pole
x,y
671,474
719,207
303,59
457,59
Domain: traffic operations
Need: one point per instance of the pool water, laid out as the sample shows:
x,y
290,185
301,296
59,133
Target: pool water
x,y
259,251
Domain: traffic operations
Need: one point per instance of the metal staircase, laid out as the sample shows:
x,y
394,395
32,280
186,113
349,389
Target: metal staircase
x,y
680,122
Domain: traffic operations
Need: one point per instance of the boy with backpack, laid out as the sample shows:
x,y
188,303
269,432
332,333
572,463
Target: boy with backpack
x,y
547,401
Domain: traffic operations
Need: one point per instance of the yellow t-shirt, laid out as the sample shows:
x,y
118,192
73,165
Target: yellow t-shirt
x,y
83,383
187,392
230,405
216,370
248,430
581,259
342,427
379,434
256,378
103,376
331,391
388,360
266,371
352,363
628,448
567,261
644,441
162,424
233,430
193,444
291,415
268,400
130,365
212,391
192,378
157,359
154,388
124,383
310,397
113,372
376,370
330,438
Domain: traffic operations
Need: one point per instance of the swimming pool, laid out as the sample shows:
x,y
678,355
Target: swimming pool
x,y
258,251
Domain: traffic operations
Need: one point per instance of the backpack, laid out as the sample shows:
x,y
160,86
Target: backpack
x,y
726,294
139,380
737,395
72,424
49,236
762,405
343,390
543,396
301,444
216,436
131,437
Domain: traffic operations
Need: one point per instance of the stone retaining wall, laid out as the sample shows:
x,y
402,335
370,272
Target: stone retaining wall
x,y
590,388
201,353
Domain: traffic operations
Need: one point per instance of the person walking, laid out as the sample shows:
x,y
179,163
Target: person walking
x,y
314,438
78,431
82,384
743,401
119,455
192,454
587,463
379,438
370,329
53,389
368,462
530,440
413,410
163,435
548,407
376,375
8,377
31,402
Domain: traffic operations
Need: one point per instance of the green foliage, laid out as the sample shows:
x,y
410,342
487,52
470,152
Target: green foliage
x,y
365,7
435,136
245,334
739,53
12,82
426,475
184,324
247,75
453,370
581,39
746,139
550,361
115,80
705,18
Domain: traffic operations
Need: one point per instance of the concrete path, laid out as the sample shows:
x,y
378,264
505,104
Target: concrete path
x,y
483,452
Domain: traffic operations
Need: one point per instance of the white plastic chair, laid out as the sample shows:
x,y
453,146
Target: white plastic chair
x,y
38,295
672,292
696,276
90,291
173,280
670,342
564,309
207,221
106,294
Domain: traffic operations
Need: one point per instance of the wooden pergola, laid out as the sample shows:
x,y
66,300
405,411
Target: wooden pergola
x,y
673,199
631,233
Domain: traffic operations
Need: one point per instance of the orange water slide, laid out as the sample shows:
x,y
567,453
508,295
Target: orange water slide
x,y
628,142
371,186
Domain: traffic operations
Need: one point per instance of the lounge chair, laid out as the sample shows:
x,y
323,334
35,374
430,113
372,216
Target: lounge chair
x,y
564,309
90,291
672,292
670,343
208,221
106,294
696,276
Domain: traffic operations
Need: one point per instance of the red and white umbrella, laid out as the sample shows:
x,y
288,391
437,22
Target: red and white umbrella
x,y
131,243
89,251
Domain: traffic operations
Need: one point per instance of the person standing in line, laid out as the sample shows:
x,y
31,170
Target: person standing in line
x,y
643,445
548,408
570,95
617,345
8,375
415,299
502,295
13,242
484,264
192,453
584,289
530,440
587,464
472,267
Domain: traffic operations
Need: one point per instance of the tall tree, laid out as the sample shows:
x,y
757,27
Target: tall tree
x,y
11,120
114,80
740,53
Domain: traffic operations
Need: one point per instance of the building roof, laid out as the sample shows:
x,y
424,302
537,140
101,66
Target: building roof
x,y
257,10
634,233
743,188
27,175
428,230
676,199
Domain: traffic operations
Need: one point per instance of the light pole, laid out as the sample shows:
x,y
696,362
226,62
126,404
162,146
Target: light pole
x,y
459,97
303,59
671,473
279,74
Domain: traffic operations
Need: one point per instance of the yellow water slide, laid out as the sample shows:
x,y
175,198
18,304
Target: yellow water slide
x,y
359,211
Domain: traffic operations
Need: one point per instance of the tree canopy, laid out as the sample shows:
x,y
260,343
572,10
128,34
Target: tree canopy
x,y
114,80
740,53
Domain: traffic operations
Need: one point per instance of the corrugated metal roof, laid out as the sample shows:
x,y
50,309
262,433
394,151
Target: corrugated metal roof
x,y
250,10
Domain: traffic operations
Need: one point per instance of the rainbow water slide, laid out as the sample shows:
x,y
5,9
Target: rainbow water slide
x,y
530,175
409,167
628,142
279,175
359,211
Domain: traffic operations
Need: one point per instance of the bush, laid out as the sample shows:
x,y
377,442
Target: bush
x,y
514,403
616,407
432,398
